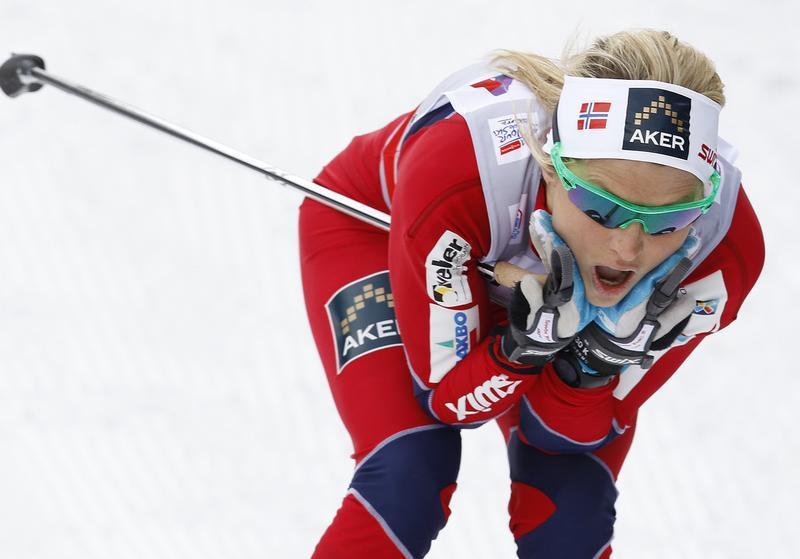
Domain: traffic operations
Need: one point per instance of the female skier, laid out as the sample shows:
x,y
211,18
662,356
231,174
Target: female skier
x,y
603,181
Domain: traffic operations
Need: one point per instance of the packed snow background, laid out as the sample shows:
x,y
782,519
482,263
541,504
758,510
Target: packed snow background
x,y
160,393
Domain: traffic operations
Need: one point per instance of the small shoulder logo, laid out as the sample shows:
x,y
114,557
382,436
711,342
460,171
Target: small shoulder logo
x,y
508,141
657,121
593,115
706,307
497,85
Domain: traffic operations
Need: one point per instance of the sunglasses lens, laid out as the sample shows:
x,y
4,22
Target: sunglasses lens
x,y
602,210
609,214
659,224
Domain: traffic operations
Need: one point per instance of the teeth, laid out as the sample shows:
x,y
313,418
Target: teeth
x,y
611,282
610,276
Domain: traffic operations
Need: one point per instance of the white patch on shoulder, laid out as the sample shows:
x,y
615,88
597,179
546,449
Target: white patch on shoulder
x,y
445,271
710,297
509,145
453,333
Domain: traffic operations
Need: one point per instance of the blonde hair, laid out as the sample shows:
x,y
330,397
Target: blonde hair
x,y
645,54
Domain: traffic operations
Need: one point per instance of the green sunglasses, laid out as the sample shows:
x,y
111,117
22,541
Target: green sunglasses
x,y
612,212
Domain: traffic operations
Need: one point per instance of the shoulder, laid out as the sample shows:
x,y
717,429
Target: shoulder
x,y
727,275
436,157
438,184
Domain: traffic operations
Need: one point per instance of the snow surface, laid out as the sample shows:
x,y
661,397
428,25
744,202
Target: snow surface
x,y
160,394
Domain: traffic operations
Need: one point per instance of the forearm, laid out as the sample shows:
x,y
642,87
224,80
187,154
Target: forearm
x,y
481,387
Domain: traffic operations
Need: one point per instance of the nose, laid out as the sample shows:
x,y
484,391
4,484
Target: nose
x,y
628,243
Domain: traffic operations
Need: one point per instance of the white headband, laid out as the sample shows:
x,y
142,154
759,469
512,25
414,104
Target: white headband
x,y
637,119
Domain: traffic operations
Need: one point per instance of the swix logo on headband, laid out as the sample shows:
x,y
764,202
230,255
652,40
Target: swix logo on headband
x,y
657,121
593,115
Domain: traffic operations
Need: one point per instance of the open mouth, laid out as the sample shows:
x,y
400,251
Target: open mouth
x,y
610,280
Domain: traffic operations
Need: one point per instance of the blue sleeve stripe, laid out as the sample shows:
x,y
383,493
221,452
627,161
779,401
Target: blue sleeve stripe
x,y
418,384
429,406
431,118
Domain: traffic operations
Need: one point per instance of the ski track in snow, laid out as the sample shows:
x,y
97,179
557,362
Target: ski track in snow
x,y
160,394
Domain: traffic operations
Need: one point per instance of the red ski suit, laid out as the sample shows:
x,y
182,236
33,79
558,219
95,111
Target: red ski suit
x,y
566,445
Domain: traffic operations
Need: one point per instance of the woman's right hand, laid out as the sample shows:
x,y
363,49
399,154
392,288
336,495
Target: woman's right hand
x,y
543,319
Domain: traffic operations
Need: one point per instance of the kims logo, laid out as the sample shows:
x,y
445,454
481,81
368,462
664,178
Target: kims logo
x,y
481,398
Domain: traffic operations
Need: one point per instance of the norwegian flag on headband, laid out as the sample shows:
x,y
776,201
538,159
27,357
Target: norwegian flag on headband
x,y
593,115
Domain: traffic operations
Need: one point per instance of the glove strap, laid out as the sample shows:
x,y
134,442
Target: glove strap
x,y
572,373
517,345
606,354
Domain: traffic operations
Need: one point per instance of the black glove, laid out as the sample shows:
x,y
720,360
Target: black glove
x,y
596,355
542,318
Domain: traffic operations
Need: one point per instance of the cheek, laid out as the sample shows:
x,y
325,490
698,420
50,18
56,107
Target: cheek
x,y
658,248
582,235
563,218
567,219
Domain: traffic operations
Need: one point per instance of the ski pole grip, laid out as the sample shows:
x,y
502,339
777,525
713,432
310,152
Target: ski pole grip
x,y
508,274
15,76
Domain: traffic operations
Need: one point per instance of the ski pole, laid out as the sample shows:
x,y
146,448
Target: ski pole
x,y
25,73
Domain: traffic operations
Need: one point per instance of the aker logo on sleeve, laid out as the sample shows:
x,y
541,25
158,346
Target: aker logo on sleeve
x,y
657,121
447,284
362,318
453,334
